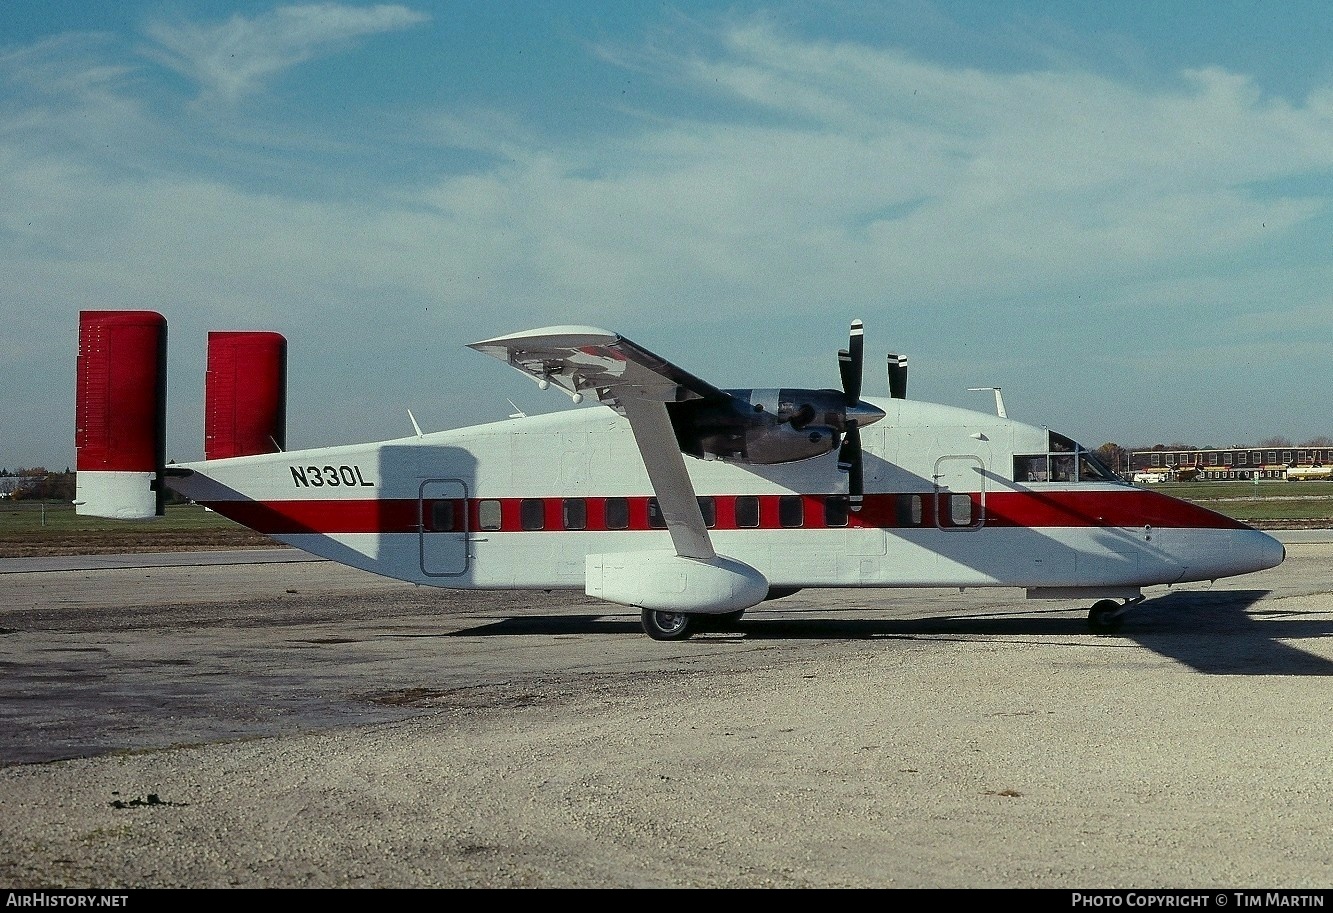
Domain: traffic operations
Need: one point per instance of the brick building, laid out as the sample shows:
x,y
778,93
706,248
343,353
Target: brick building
x,y
1233,463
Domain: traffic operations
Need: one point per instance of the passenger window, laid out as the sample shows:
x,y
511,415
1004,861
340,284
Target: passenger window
x,y
791,511
488,514
655,518
747,511
1062,467
617,513
442,516
532,513
575,513
708,507
835,510
908,509
960,510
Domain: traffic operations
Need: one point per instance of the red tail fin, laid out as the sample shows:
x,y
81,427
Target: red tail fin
x,y
120,414
245,394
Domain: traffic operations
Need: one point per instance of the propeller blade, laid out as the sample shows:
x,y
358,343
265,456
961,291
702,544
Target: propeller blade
x,y
898,376
850,364
850,462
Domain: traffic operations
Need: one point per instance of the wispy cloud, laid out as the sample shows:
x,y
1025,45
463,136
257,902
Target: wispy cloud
x,y
855,169
233,58
1036,169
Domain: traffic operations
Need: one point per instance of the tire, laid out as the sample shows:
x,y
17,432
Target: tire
x,y
1104,617
667,625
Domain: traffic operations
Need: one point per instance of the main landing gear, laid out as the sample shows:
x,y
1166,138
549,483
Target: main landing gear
x,y
1106,615
679,625
667,625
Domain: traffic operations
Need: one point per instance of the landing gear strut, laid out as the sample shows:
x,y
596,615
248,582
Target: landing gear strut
x,y
1106,615
727,621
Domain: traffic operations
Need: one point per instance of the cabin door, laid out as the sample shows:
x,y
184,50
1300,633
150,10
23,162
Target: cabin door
x,y
443,525
960,492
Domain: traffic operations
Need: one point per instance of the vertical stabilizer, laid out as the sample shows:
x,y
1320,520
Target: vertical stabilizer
x,y
120,414
245,394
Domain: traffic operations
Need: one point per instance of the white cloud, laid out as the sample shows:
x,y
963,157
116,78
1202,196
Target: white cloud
x,y
233,58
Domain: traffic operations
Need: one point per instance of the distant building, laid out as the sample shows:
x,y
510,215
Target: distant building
x,y
1235,463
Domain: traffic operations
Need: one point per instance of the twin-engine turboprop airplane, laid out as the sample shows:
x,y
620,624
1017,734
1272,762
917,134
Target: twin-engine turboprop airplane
x,y
688,502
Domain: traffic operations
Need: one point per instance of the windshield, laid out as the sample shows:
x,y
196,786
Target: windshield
x,y
1065,460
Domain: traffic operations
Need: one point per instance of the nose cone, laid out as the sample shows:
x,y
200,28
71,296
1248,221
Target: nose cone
x,y
1256,551
864,414
1214,554
1271,552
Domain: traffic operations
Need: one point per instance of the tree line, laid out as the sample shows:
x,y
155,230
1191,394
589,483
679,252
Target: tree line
x,y
37,483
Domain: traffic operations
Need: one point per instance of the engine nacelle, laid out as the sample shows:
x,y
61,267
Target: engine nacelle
x,y
787,443
767,426
664,581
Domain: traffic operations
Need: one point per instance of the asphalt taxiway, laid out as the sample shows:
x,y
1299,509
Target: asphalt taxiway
x,y
265,720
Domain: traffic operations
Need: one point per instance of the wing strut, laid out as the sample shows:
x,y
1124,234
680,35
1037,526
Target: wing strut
x,y
671,481
636,383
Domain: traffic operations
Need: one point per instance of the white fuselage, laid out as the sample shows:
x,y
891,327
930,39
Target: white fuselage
x,y
522,503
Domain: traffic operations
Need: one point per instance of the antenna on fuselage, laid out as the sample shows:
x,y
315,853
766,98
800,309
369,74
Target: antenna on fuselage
x,y
999,400
517,413
414,422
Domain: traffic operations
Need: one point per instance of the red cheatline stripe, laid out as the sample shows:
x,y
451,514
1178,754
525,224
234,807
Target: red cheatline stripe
x,y
1129,508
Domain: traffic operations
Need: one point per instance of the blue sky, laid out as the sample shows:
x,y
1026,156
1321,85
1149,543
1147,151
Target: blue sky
x,y
1121,213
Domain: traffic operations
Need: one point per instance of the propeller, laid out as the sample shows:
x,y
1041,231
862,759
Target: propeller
x,y
850,362
898,376
849,461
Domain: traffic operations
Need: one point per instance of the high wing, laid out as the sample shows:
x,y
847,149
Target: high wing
x,y
637,384
582,359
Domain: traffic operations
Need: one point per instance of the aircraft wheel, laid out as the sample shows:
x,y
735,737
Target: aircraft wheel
x,y
1104,617
667,625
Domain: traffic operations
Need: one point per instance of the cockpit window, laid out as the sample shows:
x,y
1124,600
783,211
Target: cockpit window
x,y
1031,468
1061,444
1091,468
1065,461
